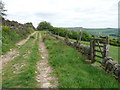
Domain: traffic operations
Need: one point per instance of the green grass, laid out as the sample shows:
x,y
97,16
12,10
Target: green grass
x,y
24,76
72,70
114,52
11,37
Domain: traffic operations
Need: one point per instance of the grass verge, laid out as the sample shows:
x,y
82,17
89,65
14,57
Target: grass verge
x,y
72,70
11,37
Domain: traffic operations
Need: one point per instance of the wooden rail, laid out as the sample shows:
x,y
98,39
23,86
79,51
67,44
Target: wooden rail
x,y
102,49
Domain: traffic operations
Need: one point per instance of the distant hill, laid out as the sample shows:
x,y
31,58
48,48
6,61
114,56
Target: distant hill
x,y
73,28
97,31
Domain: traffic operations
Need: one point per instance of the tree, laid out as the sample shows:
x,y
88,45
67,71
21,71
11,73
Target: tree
x,y
86,36
44,25
2,9
29,23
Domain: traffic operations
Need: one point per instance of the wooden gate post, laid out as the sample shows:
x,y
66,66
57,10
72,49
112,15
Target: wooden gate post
x,y
92,50
106,48
78,39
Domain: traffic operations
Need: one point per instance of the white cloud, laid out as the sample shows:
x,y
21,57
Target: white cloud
x,y
85,13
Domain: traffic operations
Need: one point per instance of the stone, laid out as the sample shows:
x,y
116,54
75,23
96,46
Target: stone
x,y
106,59
108,65
116,70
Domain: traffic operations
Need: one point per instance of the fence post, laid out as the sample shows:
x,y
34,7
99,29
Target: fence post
x,y
106,47
92,51
92,48
58,33
77,39
66,37
80,37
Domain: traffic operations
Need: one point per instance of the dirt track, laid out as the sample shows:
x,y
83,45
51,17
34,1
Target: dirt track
x,y
45,79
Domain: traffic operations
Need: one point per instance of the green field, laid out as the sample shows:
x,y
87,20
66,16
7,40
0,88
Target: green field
x,y
102,31
97,31
72,70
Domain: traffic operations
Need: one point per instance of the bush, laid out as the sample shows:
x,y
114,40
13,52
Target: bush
x,y
6,29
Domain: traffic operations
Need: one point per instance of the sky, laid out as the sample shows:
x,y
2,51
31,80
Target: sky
x,y
65,13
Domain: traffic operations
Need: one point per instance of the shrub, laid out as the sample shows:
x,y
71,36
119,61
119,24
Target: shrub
x,y
6,29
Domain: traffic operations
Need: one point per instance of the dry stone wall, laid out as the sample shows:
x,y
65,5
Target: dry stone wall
x,y
15,25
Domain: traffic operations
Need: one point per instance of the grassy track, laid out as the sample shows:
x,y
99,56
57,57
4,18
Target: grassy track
x,y
20,72
72,71
11,37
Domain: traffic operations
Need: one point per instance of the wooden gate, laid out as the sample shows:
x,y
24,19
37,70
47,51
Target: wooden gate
x,y
99,45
